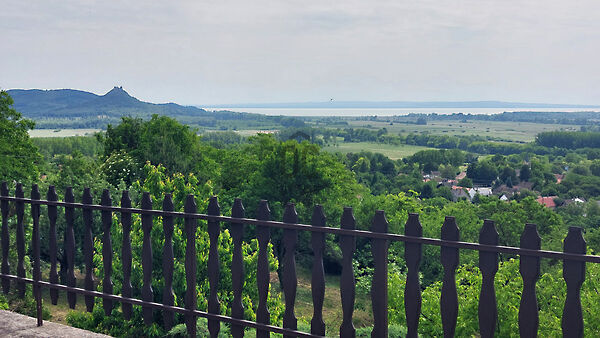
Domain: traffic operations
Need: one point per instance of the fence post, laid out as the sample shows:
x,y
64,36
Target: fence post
x,y
126,254
69,247
190,265
52,216
379,284
88,249
262,271
529,267
107,284
412,290
214,307
317,326
488,264
450,260
35,239
20,208
237,267
574,275
147,293
167,263
290,280
5,238
347,280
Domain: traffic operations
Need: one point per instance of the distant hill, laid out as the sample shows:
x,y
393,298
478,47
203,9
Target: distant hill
x,y
69,108
69,103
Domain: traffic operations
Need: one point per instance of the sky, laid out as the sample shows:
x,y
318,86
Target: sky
x,y
207,52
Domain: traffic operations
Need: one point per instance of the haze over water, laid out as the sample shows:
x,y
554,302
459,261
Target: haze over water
x,y
387,111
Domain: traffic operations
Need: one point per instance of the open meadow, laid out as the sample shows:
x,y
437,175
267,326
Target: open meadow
x,y
507,131
62,132
394,152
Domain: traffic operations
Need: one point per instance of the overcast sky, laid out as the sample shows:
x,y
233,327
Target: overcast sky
x,y
230,51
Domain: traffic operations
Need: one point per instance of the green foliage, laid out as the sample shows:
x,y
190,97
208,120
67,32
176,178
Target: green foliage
x,y
19,156
78,172
482,172
448,171
159,183
120,167
569,139
114,325
3,302
180,330
525,173
373,170
51,146
223,139
26,305
161,140
466,183
430,160
551,292
393,331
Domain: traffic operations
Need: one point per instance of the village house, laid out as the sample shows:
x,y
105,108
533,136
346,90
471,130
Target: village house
x,y
547,201
459,193
482,191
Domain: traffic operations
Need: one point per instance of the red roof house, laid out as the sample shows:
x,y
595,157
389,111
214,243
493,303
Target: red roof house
x,y
547,201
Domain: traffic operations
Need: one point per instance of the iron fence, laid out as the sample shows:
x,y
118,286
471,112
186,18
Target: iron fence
x,y
574,258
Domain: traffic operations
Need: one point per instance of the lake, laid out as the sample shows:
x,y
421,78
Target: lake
x,y
386,111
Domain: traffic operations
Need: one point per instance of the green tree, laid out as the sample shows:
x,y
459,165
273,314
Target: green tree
x,y
448,171
525,173
19,157
466,183
507,174
483,172
160,140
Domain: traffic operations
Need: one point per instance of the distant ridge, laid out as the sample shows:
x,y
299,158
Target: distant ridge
x,y
69,108
70,103
404,104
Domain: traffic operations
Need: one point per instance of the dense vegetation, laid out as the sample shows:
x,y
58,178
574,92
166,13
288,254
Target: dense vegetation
x,y
161,156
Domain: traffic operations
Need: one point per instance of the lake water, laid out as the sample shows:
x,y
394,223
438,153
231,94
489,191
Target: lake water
x,y
387,111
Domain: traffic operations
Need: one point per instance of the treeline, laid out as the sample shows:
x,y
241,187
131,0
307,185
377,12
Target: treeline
x,y
568,139
213,120
51,146
578,118
556,143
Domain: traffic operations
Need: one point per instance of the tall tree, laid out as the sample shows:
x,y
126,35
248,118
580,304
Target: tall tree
x,y
19,157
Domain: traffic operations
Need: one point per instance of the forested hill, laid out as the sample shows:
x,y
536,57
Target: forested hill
x,y
69,108
35,103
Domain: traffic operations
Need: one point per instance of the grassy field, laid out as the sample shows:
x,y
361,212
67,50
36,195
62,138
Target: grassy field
x,y
509,131
332,304
391,151
61,132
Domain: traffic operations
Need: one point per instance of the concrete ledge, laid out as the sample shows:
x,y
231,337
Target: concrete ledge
x,y
18,325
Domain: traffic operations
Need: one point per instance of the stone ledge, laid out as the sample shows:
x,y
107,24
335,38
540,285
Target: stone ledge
x,y
18,325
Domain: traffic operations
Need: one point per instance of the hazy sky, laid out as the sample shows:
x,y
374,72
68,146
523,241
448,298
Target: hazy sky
x,y
226,51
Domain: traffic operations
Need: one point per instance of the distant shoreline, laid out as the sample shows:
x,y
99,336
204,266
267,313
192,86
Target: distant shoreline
x,y
359,111
406,105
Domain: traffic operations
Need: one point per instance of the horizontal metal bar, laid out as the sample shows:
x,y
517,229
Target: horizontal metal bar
x,y
337,231
159,306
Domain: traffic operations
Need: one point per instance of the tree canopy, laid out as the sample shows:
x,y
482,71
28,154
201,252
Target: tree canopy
x,y
19,155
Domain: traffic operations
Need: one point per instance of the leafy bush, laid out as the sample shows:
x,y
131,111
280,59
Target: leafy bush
x,y
158,183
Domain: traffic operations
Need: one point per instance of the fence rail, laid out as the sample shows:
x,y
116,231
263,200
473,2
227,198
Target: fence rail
x,y
573,257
